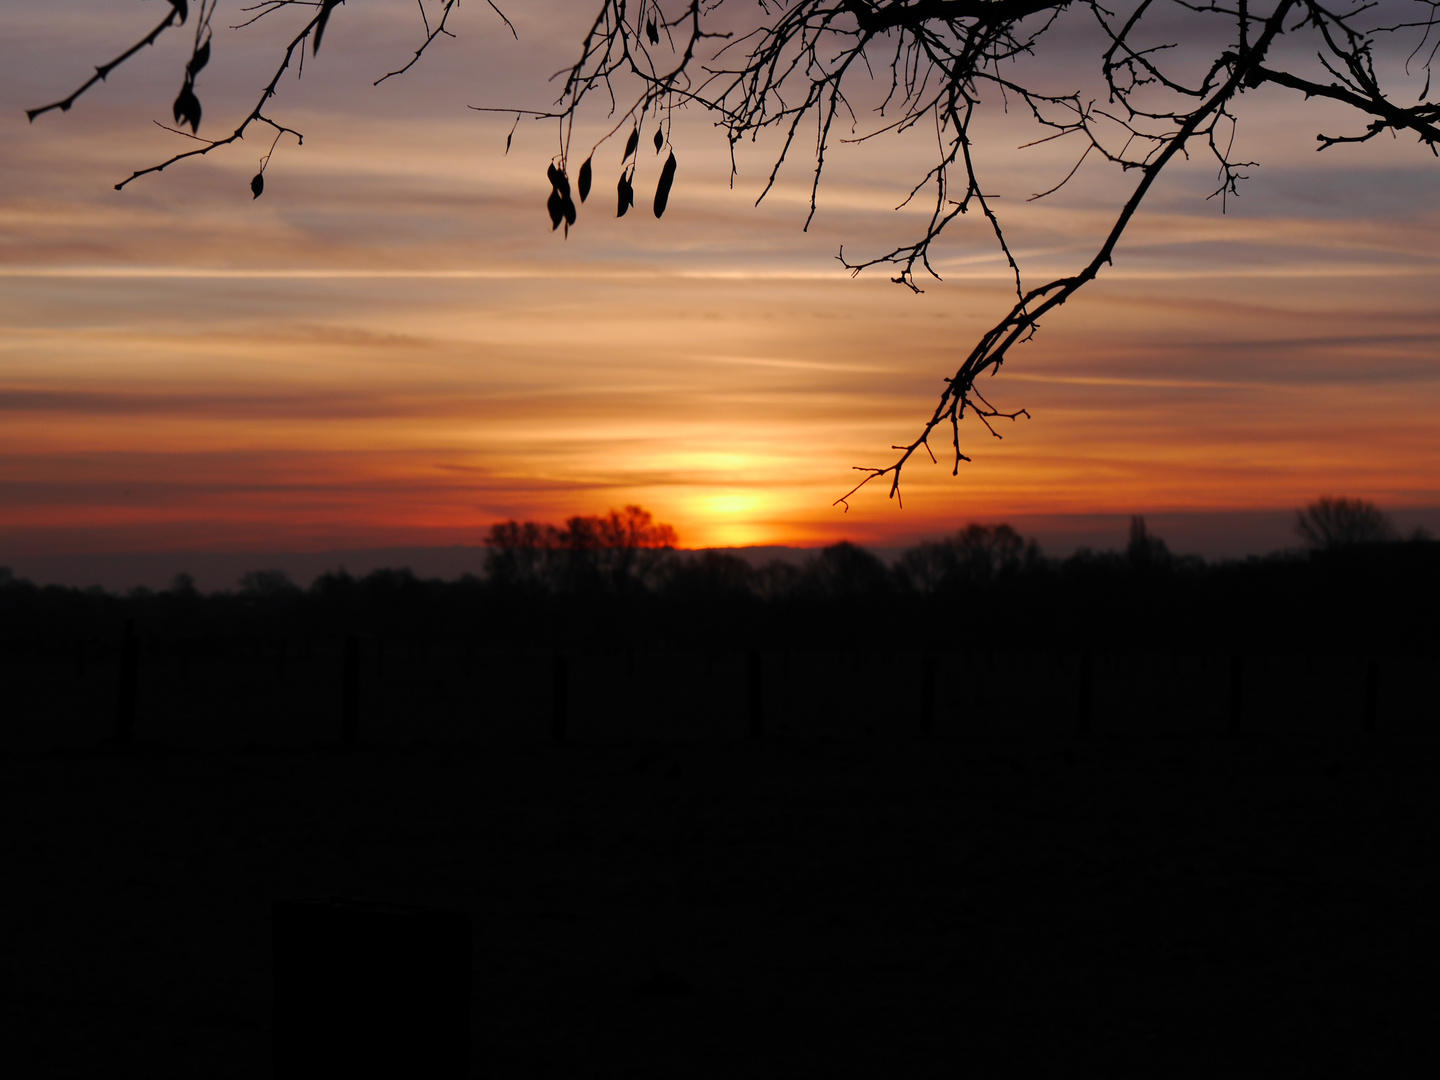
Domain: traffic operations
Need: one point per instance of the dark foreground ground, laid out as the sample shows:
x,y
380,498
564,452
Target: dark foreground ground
x,y
1162,907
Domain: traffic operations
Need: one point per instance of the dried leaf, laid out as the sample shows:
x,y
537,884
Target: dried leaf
x,y
187,107
556,206
199,60
257,185
585,177
325,10
182,8
627,195
662,190
659,140
652,32
631,143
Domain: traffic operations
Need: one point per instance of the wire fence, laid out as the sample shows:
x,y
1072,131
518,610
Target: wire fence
x,y
376,692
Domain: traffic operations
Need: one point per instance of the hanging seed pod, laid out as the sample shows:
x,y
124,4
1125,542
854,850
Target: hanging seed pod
x,y
631,143
659,141
257,185
556,206
652,32
199,60
553,175
187,107
627,195
567,207
662,190
585,179
326,7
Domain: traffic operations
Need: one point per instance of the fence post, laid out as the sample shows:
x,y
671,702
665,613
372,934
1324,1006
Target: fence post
x,y
129,681
350,693
757,701
559,696
1087,679
928,665
1237,690
1372,695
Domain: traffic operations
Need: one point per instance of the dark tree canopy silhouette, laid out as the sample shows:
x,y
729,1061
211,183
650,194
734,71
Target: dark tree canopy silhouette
x,y
1333,523
615,552
1168,79
977,555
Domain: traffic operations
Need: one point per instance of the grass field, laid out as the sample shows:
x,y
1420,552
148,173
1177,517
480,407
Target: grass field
x,y
1160,905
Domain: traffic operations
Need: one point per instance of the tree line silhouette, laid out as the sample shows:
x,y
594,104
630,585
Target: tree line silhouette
x,y
617,583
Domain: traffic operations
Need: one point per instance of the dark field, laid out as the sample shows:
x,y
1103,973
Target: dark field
x,y
661,897
244,695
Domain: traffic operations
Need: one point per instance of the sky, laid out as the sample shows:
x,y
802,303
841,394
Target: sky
x,y
391,347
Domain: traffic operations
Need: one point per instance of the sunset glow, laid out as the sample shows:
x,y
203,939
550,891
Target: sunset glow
x,y
392,347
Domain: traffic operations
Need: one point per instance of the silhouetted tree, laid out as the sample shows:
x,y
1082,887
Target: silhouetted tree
x,y
975,556
1332,523
777,579
629,545
618,551
1166,82
256,584
518,555
1144,551
709,574
845,570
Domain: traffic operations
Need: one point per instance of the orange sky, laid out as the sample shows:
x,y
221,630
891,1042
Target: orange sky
x,y
391,347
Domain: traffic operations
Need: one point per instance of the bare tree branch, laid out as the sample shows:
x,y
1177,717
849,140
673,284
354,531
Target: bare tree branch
x,y
175,18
